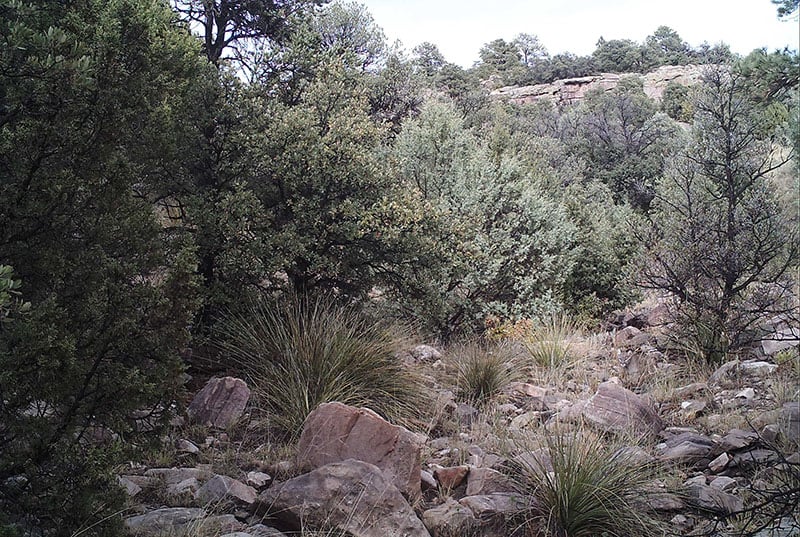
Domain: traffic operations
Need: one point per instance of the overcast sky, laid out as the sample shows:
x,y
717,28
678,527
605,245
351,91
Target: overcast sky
x,y
460,27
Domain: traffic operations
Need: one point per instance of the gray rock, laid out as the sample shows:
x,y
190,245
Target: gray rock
x,y
482,481
615,409
790,421
714,500
185,446
449,519
172,476
723,372
496,506
664,501
223,489
758,368
754,458
335,432
685,447
181,522
737,439
351,495
181,494
723,483
258,480
130,486
425,353
220,403
260,530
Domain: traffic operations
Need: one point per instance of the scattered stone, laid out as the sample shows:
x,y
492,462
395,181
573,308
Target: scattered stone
x,y
427,481
770,433
692,409
696,480
710,498
723,372
450,518
719,464
684,392
780,339
183,493
758,368
260,530
755,457
737,439
352,496
664,501
494,506
526,420
336,432
181,522
614,409
466,414
786,527
681,523
686,447
130,487
425,353
258,480
223,489
172,476
451,477
185,446
482,481
220,403
723,483
747,393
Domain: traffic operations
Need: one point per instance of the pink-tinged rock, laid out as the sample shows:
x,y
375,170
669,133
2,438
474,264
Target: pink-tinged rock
x,y
451,477
220,403
349,496
336,432
450,518
614,408
482,481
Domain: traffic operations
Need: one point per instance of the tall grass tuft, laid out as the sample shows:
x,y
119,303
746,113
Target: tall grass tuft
x,y
482,371
549,342
583,488
302,352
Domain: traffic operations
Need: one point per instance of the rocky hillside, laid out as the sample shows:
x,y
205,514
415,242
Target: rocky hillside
x,y
714,441
573,90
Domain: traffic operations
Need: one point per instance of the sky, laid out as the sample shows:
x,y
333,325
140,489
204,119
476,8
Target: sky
x,y
460,27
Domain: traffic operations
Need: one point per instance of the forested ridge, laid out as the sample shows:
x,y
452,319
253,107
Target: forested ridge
x,y
171,171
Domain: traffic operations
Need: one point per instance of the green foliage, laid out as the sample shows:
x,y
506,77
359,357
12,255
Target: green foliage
x,y
110,295
9,295
503,249
579,486
303,352
719,240
482,371
675,102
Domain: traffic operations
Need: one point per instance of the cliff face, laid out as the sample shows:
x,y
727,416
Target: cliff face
x,y
574,90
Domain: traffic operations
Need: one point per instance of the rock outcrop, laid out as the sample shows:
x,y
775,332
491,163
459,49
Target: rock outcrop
x,y
574,90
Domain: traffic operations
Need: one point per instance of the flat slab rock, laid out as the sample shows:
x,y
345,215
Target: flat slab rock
x,y
181,522
614,408
220,403
351,496
335,432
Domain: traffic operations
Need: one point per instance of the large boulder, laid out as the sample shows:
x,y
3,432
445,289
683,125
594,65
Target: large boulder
x,y
220,403
336,432
349,496
614,408
222,489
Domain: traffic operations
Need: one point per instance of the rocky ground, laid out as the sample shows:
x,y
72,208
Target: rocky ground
x,y
723,438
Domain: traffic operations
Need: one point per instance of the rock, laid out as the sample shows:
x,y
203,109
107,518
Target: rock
x,y
451,477
574,90
633,455
714,500
692,409
220,403
449,519
719,463
352,496
755,457
185,446
260,530
686,447
664,501
631,337
747,393
130,487
224,489
258,480
770,433
614,409
466,414
482,481
758,368
723,372
496,506
171,476
681,523
336,432
780,338
183,493
526,420
425,353
737,439
181,522
427,481
785,527
723,483
689,390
